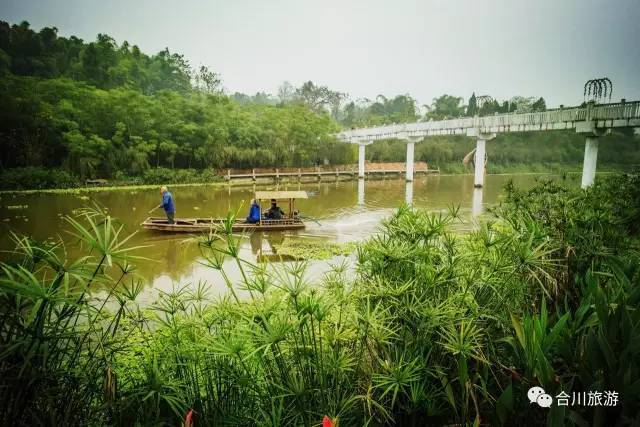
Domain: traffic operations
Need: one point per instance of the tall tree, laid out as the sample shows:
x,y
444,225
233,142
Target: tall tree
x,y
539,105
319,98
446,107
472,108
207,81
286,92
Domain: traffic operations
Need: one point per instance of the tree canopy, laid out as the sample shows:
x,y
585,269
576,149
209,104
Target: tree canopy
x,y
103,109
97,109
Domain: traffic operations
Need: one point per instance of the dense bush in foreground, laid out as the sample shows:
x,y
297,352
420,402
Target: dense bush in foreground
x,y
434,328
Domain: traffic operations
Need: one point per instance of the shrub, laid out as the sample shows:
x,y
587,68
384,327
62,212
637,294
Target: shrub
x,y
435,328
36,178
178,176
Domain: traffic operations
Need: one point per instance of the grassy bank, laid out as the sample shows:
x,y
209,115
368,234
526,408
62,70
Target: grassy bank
x,y
435,328
513,168
35,180
32,178
97,189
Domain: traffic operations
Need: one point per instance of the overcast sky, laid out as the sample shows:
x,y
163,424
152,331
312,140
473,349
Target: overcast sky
x,y
424,48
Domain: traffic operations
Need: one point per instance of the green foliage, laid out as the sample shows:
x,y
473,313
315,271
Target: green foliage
x,y
178,176
592,229
95,133
35,178
446,107
98,109
311,249
56,344
435,328
258,98
401,109
319,98
472,107
101,63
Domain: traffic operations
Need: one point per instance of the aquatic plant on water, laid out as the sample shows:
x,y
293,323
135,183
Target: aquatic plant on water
x,y
308,249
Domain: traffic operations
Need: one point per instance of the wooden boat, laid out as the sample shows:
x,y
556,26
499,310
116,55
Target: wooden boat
x,y
290,220
198,225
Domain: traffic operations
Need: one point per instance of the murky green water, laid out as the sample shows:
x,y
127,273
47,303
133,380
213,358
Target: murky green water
x,y
346,211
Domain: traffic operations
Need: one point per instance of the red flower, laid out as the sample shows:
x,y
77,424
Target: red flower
x,y
188,420
326,422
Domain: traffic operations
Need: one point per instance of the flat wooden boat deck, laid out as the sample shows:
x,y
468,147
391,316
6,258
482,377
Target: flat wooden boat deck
x,y
198,225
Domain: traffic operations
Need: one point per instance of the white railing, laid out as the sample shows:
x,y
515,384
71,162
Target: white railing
x,y
530,119
620,111
569,116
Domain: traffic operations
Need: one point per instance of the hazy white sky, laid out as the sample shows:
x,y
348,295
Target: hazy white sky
x,y
368,47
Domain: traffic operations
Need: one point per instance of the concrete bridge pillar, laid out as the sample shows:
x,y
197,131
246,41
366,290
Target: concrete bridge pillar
x,y
409,162
590,161
480,156
361,161
593,134
480,159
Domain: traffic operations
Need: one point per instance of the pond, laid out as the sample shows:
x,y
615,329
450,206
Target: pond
x,y
343,211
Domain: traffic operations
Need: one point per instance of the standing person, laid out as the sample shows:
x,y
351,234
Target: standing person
x,y
167,204
254,212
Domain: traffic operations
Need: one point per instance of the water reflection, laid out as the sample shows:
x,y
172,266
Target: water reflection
x,y
340,211
255,239
476,203
361,191
264,243
408,193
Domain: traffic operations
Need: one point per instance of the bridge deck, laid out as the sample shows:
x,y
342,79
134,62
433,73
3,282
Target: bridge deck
x,y
602,116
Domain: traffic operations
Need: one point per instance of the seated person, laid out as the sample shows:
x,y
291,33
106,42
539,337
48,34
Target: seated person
x,y
274,211
254,212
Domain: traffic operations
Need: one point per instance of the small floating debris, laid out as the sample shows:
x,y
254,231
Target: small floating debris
x,y
17,206
7,219
196,208
83,197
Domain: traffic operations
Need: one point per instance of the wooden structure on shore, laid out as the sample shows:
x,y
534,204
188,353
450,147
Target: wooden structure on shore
x,y
277,175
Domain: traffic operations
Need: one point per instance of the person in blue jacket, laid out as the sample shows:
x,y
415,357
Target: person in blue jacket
x,y
167,204
254,212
